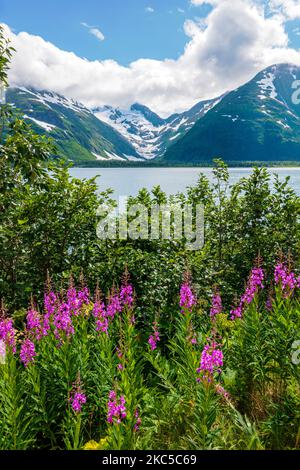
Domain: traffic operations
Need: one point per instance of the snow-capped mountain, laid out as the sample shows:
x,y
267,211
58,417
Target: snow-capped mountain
x,y
134,126
148,133
259,121
78,134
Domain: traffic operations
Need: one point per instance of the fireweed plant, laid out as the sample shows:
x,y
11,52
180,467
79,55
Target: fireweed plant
x,y
81,373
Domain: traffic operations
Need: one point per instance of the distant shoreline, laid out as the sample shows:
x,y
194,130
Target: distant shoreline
x,y
117,164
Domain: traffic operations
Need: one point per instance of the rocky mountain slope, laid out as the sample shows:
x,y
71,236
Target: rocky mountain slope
x,y
149,134
78,134
259,121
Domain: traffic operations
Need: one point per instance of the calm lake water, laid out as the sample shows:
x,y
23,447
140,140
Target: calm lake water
x,y
128,181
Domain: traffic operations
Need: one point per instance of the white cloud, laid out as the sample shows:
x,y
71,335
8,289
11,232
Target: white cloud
x,y
289,8
180,10
191,28
234,42
94,31
149,10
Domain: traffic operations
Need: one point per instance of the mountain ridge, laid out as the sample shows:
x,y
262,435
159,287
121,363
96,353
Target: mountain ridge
x,y
78,134
152,137
257,121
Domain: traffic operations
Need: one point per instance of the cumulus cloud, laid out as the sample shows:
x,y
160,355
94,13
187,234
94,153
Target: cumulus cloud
x,y
289,8
94,31
149,10
227,48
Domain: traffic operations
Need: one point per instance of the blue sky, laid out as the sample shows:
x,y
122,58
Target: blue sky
x,y
130,28
166,54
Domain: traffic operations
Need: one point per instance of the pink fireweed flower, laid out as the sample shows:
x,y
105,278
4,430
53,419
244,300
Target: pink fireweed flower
x,y
211,362
62,321
138,422
99,313
78,397
114,306
279,272
50,301
126,295
98,309
255,283
76,300
286,278
35,324
27,352
73,301
236,312
187,298
216,306
116,409
77,401
7,333
194,339
222,392
155,338
83,297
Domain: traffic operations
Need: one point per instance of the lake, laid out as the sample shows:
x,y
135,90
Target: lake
x,y
128,181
